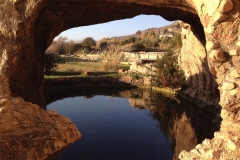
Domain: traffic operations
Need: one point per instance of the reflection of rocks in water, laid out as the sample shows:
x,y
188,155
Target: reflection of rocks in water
x,y
185,137
139,103
184,126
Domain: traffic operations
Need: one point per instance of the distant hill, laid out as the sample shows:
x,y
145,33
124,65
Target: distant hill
x,y
172,28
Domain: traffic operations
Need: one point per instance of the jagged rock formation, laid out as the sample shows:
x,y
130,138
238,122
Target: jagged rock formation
x,y
28,132
201,84
28,27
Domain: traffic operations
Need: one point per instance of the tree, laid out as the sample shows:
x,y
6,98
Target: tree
x,y
138,32
137,46
103,45
151,35
132,39
49,63
68,46
75,47
177,41
166,39
152,43
57,45
168,73
88,42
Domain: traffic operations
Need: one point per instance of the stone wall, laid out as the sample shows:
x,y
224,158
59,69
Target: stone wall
x,y
28,27
220,20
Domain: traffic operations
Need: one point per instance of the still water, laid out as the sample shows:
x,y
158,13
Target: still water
x,y
132,125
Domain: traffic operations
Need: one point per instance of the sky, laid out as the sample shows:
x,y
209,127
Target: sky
x,y
116,28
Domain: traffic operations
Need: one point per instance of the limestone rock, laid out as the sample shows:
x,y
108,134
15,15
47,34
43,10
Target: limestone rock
x,y
209,45
238,43
227,86
192,61
225,6
28,132
231,145
234,52
212,6
218,56
28,27
218,17
234,74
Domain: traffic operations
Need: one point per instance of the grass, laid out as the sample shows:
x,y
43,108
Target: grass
x,y
70,66
124,66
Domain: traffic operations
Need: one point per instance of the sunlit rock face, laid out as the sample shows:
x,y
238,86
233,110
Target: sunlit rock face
x,y
28,27
28,132
201,84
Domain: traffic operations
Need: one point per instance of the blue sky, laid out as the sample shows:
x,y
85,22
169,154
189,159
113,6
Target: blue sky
x,y
116,28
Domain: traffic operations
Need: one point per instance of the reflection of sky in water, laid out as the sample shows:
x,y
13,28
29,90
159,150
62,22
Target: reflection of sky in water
x,y
112,129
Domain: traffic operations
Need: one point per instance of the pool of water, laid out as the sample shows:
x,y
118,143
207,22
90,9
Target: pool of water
x,y
131,126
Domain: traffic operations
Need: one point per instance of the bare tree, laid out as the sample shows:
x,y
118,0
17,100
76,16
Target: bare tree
x,y
57,45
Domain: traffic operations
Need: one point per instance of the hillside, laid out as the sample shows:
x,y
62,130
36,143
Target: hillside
x,y
172,28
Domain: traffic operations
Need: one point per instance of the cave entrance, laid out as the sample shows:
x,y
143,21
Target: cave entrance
x,y
51,18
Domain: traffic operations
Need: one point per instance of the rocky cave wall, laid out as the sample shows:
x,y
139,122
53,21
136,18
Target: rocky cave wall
x,y
28,27
201,84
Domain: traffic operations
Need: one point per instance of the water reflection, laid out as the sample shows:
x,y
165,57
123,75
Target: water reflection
x,y
183,125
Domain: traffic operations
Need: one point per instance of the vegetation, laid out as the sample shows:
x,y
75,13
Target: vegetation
x,y
174,42
168,73
111,58
135,76
49,63
177,41
138,32
64,46
151,35
137,46
88,43
103,45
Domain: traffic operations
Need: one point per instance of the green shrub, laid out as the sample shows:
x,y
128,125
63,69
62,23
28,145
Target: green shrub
x,y
137,46
49,63
168,73
166,39
151,43
177,41
135,76
103,45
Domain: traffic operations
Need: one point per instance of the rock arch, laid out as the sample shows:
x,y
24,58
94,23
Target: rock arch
x,y
28,26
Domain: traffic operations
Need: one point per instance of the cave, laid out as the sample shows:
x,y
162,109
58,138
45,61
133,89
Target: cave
x,y
28,28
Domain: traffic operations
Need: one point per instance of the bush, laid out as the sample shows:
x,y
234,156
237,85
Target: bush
x,y
151,43
166,39
137,46
49,63
138,32
135,76
103,45
88,42
111,58
168,73
177,41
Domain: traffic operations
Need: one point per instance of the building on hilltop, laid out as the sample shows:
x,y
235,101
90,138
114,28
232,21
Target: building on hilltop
x,y
165,35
